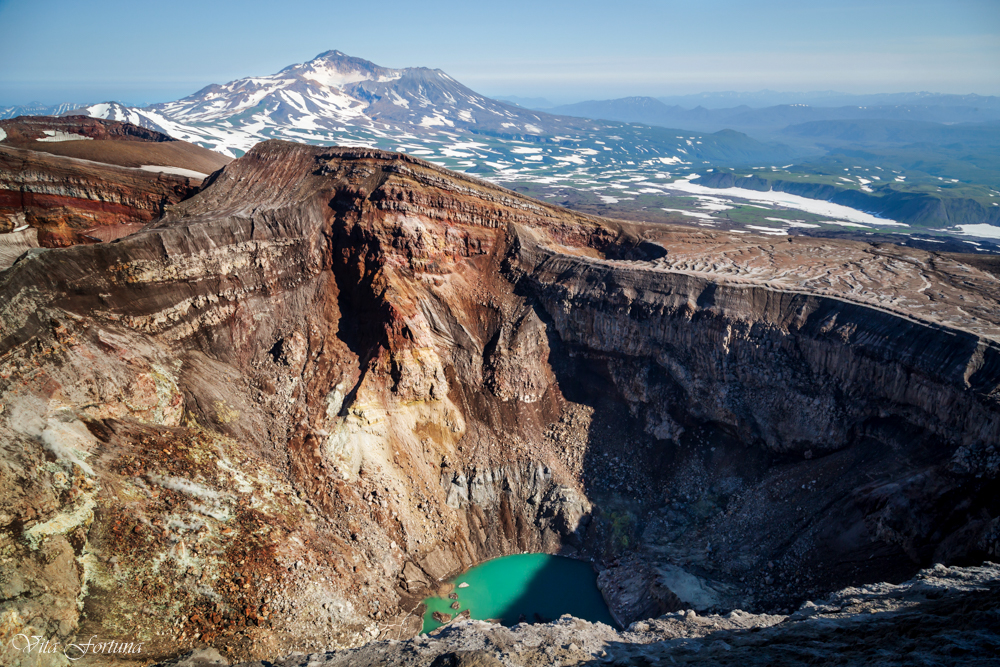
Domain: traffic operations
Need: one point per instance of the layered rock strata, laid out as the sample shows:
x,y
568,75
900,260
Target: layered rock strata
x,y
77,180
278,416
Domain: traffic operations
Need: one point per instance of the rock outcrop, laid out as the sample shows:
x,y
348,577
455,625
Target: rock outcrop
x,y
279,415
943,616
83,180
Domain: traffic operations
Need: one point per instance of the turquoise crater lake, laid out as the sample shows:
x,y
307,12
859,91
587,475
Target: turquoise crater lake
x,y
526,587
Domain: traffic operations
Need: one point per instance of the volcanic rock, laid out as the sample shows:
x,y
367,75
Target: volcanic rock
x,y
83,180
942,616
279,415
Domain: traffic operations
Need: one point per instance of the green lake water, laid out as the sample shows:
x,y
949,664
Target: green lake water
x,y
525,587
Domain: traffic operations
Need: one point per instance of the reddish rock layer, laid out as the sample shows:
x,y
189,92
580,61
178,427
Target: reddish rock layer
x,y
66,188
26,130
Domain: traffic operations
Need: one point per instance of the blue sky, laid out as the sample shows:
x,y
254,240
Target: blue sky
x,y
61,50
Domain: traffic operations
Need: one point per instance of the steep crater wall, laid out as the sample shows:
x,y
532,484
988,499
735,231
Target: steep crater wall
x,y
788,442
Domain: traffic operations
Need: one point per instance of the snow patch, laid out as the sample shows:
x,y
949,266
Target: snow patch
x,y
816,206
713,203
176,171
451,152
399,101
982,230
843,224
99,110
768,230
431,121
59,135
333,78
792,223
693,214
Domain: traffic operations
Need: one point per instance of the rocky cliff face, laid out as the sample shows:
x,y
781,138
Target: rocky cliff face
x,y
77,179
862,428
280,414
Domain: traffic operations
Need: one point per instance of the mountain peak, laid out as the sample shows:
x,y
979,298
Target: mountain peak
x,y
339,57
328,94
335,69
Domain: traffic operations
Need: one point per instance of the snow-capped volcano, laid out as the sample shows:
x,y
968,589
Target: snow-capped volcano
x,y
318,87
335,99
333,92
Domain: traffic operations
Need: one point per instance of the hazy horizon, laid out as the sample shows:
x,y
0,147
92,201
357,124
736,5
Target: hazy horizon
x,y
555,100
562,51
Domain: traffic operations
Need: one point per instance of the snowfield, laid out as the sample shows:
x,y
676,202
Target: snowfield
x,y
56,135
982,230
176,171
787,200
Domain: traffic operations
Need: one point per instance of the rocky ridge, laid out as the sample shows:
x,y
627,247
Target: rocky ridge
x,y
79,180
285,410
943,616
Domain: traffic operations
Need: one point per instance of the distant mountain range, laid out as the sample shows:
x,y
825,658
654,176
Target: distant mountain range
x,y
537,103
770,98
769,120
829,98
37,109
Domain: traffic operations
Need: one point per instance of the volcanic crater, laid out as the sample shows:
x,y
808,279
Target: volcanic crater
x,y
282,412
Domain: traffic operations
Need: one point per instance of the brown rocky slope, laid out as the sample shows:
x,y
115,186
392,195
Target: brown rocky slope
x,y
273,419
80,180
